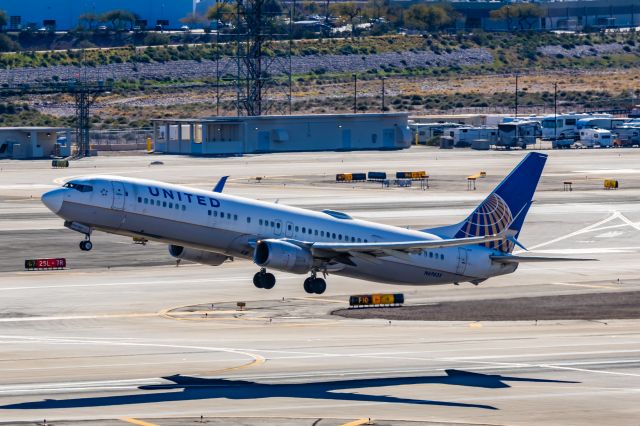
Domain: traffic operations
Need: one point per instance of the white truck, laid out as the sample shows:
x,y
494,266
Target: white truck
x,y
591,138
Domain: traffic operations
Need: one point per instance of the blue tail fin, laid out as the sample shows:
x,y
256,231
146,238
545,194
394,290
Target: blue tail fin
x,y
506,206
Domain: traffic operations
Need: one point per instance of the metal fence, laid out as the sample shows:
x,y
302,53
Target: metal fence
x,y
120,140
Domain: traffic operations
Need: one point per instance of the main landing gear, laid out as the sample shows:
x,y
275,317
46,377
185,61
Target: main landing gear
x,y
86,245
315,285
264,279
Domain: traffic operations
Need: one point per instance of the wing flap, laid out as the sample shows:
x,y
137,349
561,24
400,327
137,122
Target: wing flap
x,y
536,259
402,245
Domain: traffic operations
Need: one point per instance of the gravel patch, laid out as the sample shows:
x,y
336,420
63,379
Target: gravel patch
x,y
207,68
592,306
582,50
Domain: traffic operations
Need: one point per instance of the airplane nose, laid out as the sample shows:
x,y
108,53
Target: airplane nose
x,y
53,200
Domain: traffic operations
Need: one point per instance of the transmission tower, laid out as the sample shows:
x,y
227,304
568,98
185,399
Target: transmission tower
x,y
263,31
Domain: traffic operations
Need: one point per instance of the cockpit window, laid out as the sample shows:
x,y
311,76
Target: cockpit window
x,y
78,187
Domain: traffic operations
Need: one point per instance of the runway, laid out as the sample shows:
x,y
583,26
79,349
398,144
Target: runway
x,y
125,336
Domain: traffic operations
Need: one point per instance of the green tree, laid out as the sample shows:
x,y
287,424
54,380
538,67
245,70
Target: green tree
x,y
221,12
348,11
428,17
8,45
4,20
524,13
377,9
118,18
89,19
193,20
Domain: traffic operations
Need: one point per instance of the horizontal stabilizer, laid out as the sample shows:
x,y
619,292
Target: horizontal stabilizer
x,y
535,259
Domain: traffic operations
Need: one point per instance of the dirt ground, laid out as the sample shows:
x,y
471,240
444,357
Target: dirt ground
x,y
593,306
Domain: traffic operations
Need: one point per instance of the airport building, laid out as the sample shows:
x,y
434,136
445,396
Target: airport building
x,y
21,143
64,14
282,133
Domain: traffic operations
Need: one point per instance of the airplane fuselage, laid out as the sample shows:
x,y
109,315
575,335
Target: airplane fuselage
x,y
231,225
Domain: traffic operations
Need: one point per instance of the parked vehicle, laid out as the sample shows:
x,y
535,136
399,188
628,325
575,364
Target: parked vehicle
x,y
518,134
565,125
465,135
608,123
426,132
626,136
591,138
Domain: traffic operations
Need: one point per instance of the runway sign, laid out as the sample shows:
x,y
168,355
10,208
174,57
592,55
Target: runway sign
x,y
37,264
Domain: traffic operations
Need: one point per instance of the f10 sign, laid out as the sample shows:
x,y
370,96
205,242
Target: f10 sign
x,y
35,264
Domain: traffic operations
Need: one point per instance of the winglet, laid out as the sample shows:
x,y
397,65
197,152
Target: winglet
x,y
220,185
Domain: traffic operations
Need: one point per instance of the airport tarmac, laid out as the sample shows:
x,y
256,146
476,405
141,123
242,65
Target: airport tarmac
x,y
124,336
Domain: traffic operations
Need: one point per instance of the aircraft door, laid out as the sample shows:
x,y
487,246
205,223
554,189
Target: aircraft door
x,y
277,228
463,258
118,195
288,229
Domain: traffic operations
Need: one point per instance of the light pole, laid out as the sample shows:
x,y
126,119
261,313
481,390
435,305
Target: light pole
x,y
555,111
355,93
383,79
516,95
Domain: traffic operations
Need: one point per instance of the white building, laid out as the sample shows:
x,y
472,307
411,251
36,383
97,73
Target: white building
x,y
33,142
282,133
63,14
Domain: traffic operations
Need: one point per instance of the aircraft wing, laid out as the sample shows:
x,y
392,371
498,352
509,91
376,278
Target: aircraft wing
x,y
400,246
535,259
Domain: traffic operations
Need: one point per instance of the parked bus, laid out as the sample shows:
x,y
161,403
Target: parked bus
x,y
564,126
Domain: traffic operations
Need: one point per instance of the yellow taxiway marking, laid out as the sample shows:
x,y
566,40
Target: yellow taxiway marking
x,y
588,285
137,422
356,422
319,300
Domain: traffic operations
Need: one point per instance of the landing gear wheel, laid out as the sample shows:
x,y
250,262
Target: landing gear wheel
x,y
86,245
307,285
318,285
268,281
257,279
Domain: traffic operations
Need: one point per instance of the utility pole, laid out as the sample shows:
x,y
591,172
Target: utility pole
x,y
383,79
516,95
555,111
355,93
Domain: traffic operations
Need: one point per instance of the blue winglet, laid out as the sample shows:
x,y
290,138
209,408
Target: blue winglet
x,y
220,185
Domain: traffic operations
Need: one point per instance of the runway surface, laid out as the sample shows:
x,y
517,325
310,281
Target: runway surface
x,y
124,336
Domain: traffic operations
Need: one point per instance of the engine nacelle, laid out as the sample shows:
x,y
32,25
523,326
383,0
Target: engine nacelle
x,y
283,256
199,256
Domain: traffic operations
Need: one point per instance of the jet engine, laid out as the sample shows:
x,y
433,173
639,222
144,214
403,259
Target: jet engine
x,y
283,256
198,256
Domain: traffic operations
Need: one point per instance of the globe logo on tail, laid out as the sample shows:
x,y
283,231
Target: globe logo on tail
x,y
490,218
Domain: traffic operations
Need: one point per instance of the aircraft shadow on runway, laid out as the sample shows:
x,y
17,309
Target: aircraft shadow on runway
x,y
195,388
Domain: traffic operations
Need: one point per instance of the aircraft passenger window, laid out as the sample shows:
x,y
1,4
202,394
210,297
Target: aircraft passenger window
x,y
289,227
316,232
322,233
139,199
310,231
170,205
333,236
235,217
164,204
273,224
229,216
430,254
151,201
209,212
353,239
366,241
184,207
177,206
260,221
248,219
359,240
278,225
297,229
340,236
442,257
146,201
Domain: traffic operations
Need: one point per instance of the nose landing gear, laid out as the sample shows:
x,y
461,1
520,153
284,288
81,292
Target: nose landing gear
x,y
264,279
86,245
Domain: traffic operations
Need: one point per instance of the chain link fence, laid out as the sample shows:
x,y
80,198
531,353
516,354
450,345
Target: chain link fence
x,y
120,140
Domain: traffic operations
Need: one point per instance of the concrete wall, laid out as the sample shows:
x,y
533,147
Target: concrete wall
x,y
245,135
66,12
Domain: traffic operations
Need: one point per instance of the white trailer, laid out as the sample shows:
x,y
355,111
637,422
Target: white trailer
x,y
608,123
627,136
425,132
591,138
466,135
563,126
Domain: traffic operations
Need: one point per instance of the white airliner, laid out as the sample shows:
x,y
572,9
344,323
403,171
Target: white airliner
x,y
212,227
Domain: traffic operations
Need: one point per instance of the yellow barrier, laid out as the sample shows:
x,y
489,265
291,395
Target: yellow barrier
x,y
610,184
149,145
344,177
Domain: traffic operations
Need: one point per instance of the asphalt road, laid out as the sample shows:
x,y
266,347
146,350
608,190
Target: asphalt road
x,y
124,334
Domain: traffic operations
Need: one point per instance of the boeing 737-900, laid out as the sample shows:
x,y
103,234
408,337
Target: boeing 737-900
x,y
210,227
